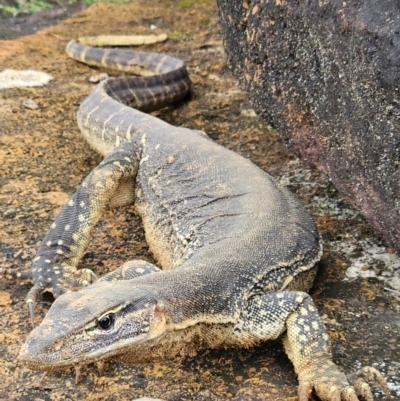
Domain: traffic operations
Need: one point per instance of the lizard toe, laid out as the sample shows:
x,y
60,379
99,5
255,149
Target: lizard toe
x,y
362,389
87,276
305,390
31,300
329,392
80,278
349,394
58,290
326,391
360,379
330,384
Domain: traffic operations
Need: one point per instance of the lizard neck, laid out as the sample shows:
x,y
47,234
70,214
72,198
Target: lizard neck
x,y
191,295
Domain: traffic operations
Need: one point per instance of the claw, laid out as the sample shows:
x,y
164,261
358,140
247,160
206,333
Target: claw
x,y
39,382
100,367
42,377
30,300
77,374
31,309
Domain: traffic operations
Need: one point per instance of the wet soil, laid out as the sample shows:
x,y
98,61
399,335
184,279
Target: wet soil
x,y
43,159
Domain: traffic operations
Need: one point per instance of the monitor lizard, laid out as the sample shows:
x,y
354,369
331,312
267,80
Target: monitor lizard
x,y
237,251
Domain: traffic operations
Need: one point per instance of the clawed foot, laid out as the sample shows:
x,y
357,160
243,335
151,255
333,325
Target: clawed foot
x,y
57,280
332,385
360,379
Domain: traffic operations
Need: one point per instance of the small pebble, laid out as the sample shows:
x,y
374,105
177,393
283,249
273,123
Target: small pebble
x,y
30,104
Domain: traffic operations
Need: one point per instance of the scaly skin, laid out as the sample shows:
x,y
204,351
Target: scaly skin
x,y
236,252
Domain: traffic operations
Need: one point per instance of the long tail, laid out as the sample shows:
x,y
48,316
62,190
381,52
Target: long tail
x,y
103,116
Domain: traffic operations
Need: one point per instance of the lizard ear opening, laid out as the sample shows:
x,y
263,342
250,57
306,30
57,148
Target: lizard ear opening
x,y
159,321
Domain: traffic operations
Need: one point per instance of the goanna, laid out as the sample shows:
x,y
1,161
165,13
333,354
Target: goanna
x,y
237,251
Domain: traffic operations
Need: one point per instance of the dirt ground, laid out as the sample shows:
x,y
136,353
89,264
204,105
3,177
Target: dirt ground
x,y
43,159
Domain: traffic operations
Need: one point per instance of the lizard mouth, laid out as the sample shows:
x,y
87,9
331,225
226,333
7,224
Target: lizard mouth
x,y
39,354
33,359
44,360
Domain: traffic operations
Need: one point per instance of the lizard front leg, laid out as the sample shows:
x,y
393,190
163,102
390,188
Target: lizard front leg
x,y
110,184
307,344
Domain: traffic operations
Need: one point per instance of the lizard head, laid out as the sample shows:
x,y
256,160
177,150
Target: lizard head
x,y
97,322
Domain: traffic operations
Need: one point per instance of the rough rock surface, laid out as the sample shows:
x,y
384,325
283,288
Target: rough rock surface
x,y
326,75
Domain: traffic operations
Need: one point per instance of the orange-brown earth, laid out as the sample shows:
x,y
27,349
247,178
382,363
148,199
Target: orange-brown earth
x,y
43,159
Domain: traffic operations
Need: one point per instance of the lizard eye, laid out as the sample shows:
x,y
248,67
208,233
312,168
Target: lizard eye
x,y
106,322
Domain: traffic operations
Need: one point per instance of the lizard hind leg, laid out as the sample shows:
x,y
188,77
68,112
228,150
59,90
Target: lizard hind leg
x,y
307,344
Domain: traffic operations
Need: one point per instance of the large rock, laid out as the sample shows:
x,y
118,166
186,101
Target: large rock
x,y
326,75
